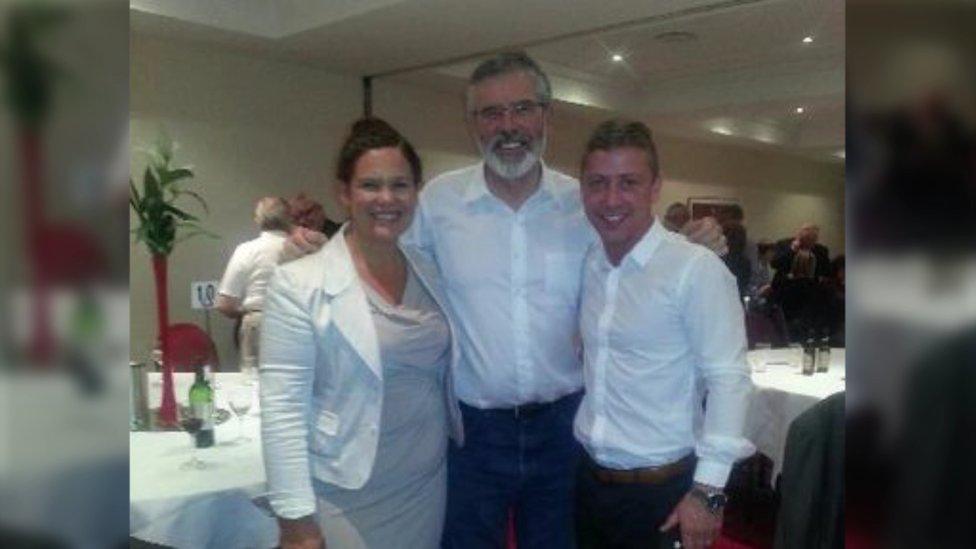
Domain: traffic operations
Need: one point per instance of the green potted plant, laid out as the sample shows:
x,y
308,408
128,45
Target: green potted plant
x,y
29,78
161,225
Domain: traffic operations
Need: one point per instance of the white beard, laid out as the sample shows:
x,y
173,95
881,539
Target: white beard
x,y
513,170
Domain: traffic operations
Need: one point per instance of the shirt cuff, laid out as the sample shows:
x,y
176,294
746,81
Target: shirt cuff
x,y
712,473
292,508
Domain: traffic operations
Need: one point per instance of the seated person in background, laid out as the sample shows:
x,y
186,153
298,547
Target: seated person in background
x,y
245,281
662,326
676,216
737,260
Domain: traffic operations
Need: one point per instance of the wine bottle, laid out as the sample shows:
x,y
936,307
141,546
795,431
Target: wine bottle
x,y
202,408
823,353
809,354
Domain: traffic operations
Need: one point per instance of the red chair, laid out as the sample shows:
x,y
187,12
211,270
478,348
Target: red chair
x,y
190,346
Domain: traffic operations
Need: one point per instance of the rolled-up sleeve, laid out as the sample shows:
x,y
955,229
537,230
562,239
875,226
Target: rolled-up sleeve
x,y
715,321
287,371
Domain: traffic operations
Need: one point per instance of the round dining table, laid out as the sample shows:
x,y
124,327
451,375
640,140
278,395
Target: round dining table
x,y
220,505
782,392
223,505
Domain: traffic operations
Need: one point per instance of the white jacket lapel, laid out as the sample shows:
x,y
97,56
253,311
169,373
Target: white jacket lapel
x,y
350,310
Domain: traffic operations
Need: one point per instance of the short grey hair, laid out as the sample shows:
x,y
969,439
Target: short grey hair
x,y
507,63
271,213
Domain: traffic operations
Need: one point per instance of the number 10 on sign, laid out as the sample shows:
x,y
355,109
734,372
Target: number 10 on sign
x,y
203,294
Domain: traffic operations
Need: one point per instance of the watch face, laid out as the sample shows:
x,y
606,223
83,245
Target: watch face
x,y
717,501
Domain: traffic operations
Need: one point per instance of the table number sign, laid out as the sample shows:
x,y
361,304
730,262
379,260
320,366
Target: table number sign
x,y
203,294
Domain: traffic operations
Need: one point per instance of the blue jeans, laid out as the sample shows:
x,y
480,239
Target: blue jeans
x,y
523,462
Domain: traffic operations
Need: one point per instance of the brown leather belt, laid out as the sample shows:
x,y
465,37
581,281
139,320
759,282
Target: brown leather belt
x,y
642,475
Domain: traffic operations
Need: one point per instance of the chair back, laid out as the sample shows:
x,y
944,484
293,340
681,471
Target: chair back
x,y
191,346
766,325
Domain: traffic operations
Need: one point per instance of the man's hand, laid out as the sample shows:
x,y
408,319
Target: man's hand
x,y
302,242
300,533
707,232
699,526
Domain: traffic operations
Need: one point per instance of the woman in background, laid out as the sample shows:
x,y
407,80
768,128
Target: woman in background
x,y
356,392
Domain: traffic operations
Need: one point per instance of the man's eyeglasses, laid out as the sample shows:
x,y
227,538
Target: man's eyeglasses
x,y
521,110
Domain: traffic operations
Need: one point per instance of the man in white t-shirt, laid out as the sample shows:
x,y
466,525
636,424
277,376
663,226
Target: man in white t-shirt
x,y
245,281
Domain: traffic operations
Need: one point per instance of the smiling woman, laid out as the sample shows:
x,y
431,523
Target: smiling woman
x,y
361,323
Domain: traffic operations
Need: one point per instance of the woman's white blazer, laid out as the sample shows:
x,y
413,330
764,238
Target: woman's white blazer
x,y
321,377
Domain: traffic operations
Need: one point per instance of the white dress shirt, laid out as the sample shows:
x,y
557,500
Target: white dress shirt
x,y
512,280
660,331
250,267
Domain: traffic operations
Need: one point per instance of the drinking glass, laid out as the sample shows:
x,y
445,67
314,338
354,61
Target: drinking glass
x,y
796,355
192,426
761,356
240,398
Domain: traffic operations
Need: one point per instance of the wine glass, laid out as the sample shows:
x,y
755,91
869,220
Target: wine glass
x,y
240,399
192,426
760,356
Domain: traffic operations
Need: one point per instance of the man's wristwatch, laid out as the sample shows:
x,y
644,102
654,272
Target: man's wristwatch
x,y
713,498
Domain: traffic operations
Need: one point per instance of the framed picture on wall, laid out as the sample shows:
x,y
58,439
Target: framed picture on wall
x,y
717,207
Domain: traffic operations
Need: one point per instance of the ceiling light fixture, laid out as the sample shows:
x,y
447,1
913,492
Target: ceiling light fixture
x,y
799,110
617,58
721,130
808,40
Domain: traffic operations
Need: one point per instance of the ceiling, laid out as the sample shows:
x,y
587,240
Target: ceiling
x,y
732,71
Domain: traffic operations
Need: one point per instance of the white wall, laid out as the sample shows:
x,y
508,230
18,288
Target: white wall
x,y
254,127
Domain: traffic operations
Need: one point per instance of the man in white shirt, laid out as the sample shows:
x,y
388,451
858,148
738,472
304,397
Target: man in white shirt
x,y
662,329
245,282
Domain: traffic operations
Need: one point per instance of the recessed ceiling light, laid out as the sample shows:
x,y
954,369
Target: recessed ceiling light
x,y
617,57
721,130
799,110
808,40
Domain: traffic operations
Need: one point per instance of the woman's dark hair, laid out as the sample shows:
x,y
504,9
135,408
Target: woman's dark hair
x,y
369,134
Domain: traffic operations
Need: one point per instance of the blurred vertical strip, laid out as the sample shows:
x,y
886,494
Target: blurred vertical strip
x,y
911,433
64,162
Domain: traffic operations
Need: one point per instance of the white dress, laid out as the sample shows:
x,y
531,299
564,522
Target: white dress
x,y
403,502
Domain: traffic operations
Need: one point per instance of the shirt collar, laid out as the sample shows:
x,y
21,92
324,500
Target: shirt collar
x,y
644,249
478,185
641,253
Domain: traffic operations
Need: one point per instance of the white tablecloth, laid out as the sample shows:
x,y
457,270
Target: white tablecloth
x,y
214,507
782,393
220,507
